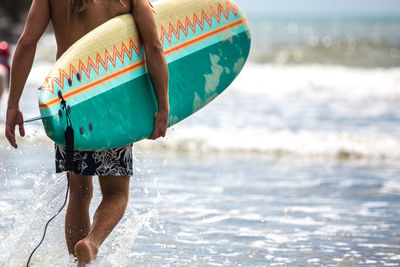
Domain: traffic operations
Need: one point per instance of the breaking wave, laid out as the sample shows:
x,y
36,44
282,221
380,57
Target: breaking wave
x,y
303,144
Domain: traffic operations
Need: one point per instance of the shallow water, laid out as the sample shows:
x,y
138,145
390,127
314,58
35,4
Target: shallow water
x,y
253,212
218,210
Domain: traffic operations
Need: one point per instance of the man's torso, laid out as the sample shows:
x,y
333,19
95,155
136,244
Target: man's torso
x,y
80,23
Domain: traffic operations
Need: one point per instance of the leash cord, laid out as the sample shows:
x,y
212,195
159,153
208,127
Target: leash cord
x,y
45,228
33,119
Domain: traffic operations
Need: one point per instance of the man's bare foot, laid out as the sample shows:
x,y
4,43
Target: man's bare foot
x,y
85,251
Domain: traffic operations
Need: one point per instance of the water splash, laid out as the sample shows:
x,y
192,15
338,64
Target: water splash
x,y
29,217
22,223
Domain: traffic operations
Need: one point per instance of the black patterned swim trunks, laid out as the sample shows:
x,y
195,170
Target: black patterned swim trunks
x,y
114,162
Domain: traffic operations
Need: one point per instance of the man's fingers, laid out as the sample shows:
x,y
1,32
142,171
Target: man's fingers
x,y
162,134
155,135
14,118
10,135
160,128
21,129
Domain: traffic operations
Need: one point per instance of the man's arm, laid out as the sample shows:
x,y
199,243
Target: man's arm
x,y
38,19
156,63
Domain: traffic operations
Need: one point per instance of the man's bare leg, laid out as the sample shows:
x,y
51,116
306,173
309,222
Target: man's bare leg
x,y
77,220
115,191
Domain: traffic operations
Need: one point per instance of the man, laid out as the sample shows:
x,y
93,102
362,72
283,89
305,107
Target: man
x,y
71,19
5,53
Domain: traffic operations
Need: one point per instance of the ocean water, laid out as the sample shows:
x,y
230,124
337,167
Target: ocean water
x,y
296,164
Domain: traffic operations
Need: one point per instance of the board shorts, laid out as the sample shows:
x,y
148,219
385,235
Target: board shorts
x,y
114,162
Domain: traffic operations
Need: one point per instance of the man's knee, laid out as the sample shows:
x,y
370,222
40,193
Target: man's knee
x,y
119,196
115,188
81,193
81,188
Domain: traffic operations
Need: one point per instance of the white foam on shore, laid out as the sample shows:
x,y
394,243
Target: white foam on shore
x,y
315,81
202,140
279,144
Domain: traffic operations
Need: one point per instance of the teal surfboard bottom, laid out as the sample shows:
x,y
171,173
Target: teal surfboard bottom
x,y
126,111
125,114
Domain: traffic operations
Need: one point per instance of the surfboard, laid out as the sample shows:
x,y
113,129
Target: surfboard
x,y
103,78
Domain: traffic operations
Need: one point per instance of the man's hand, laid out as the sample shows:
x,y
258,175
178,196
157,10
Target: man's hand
x,y
14,118
160,125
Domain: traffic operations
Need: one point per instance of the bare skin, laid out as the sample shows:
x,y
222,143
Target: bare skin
x,y
84,239
77,220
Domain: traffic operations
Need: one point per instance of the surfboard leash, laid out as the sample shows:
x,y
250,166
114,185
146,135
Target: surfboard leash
x,y
69,146
33,119
48,222
69,135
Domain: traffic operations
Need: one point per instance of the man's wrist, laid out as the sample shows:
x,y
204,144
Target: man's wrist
x,y
12,106
163,109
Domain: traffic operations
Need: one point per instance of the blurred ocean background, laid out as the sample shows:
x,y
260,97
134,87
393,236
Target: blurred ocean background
x,y
296,164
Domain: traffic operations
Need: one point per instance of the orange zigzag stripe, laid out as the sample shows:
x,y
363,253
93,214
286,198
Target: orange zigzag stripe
x,y
192,24
100,61
124,51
